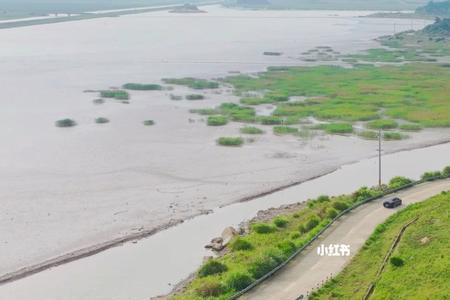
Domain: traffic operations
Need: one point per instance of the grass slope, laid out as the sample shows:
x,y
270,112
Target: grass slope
x,y
424,248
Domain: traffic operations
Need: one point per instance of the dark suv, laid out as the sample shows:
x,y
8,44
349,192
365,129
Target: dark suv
x,y
392,203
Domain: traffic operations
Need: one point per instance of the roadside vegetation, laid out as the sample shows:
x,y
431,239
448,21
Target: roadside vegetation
x,y
418,268
269,243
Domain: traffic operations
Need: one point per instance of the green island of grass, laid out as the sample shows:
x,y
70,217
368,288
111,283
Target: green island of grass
x,y
282,130
251,130
194,97
230,141
193,83
217,120
142,87
115,94
65,123
418,268
101,120
148,122
271,242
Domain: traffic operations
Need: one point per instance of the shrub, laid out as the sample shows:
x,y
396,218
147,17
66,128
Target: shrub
x,y
396,261
284,130
295,235
65,123
410,127
251,130
210,288
142,87
332,213
431,175
365,193
149,122
262,266
382,124
280,222
211,267
116,94
313,222
399,181
195,97
240,244
238,281
217,121
340,205
263,228
287,247
230,141
446,172
323,198
101,120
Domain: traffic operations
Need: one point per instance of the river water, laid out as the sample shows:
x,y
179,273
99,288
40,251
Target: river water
x,y
61,190
151,266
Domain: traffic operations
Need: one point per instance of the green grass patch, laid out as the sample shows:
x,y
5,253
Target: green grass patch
x,y
251,130
195,97
394,136
115,94
410,127
217,120
65,123
283,130
368,135
382,124
142,87
418,268
335,128
193,83
101,120
149,122
230,141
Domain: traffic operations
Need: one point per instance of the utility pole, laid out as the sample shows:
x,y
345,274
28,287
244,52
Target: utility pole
x,y
379,159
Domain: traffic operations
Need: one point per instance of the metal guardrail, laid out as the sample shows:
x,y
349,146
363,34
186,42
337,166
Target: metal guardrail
x,y
282,265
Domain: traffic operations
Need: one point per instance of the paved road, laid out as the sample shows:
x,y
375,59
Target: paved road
x,y
309,269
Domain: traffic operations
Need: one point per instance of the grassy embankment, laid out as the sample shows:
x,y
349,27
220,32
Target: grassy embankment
x,y
419,266
269,243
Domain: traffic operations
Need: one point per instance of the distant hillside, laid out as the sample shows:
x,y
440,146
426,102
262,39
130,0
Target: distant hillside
x,y
440,27
439,9
332,4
